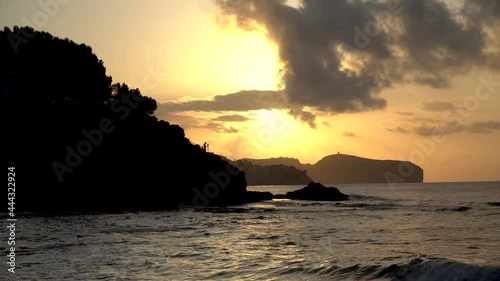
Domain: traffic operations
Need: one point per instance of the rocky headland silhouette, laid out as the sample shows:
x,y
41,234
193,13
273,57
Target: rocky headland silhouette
x,y
348,169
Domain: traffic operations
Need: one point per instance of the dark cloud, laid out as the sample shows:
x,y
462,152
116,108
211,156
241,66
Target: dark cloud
x,y
349,134
219,128
404,113
231,130
307,39
191,122
444,129
437,43
481,127
494,59
484,127
240,101
304,116
231,118
339,55
433,81
479,10
185,121
420,119
438,106
398,129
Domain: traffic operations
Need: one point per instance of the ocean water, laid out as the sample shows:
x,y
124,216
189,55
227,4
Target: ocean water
x,y
444,231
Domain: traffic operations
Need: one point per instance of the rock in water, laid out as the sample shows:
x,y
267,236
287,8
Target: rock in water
x,y
318,192
256,196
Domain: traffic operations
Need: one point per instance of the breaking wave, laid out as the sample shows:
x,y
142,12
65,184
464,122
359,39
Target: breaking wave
x,y
418,269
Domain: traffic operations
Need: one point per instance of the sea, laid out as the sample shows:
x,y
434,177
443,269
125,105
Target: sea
x,y
429,231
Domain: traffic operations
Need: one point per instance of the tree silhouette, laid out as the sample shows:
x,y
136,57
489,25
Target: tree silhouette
x,y
81,143
45,69
147,105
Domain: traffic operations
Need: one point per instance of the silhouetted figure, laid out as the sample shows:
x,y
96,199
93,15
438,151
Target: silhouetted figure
x,y
205,146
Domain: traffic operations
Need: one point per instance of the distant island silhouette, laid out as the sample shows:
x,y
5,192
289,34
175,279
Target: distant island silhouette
x,y
344,169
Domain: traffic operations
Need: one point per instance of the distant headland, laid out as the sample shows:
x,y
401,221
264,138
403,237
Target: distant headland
x,y
346,169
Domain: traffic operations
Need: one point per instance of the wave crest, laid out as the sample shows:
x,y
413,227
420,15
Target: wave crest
x,y
418,269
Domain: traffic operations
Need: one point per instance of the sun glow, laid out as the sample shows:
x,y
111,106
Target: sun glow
x,y
276,133
224,60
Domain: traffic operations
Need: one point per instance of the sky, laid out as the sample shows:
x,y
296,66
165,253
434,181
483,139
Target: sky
x,y
385,79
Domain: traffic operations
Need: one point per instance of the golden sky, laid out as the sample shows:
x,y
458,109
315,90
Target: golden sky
x,y
281,83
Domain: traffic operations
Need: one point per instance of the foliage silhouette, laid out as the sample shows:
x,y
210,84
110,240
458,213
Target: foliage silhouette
x,y
271,174
81,143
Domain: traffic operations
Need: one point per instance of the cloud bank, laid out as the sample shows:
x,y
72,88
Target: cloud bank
x,y
339,55
240,101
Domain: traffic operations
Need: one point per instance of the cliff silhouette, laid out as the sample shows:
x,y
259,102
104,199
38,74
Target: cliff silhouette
x,y
342,169
80,142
